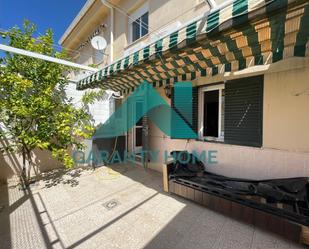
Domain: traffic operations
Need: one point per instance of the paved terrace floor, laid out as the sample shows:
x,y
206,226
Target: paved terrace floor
x,y
123,207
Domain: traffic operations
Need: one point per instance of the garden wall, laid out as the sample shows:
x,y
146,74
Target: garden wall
x,y
11,164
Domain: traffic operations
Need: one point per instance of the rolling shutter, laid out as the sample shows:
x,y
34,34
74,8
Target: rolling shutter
x,y
244,111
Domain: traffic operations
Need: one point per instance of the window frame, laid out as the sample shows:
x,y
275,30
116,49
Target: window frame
x,y
201,91
137,14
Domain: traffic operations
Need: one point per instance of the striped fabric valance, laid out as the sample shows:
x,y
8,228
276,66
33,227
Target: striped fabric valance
x,y
243,34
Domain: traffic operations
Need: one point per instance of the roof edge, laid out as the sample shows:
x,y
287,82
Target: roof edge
x,y
76,20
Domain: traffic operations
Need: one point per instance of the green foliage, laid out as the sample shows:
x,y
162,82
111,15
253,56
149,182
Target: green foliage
x,y
34,110
92,96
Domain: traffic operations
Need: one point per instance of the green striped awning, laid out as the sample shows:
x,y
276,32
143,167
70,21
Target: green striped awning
x,y
243,34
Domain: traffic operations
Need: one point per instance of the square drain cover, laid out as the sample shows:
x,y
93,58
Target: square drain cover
x,y
111,204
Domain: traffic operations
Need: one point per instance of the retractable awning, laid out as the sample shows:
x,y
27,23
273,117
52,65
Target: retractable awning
x,y
243,34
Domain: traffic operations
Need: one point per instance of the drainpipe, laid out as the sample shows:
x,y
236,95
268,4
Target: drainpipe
x,y
111,54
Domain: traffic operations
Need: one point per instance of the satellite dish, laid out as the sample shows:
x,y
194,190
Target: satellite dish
x,y
98,43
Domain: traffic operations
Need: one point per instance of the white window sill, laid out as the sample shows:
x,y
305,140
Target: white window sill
x,y
212,139
139,40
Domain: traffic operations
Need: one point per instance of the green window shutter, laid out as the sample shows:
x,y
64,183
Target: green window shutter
x,y
244,111
173,107
185,109
181,108
195,109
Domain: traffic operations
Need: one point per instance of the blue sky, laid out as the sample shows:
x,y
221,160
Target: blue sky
x,y
55,14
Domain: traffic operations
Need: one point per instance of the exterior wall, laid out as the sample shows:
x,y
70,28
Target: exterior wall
x,y
11,164
86,54
95,16
286,114
100,110
162,14
285,151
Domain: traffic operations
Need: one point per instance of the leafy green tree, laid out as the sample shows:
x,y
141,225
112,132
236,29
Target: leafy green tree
x,y
35,112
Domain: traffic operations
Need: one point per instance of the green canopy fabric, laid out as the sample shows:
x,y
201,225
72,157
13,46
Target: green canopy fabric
x,y
243,34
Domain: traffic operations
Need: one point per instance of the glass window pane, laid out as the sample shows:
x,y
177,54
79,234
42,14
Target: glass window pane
x,y
138,137
139,113
136,30
211,113
144,24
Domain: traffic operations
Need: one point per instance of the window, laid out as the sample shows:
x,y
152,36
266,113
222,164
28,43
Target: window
x,y
140,27
244,111
139,23
211,112
231,112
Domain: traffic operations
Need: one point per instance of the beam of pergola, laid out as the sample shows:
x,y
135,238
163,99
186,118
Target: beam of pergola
x,y
45,57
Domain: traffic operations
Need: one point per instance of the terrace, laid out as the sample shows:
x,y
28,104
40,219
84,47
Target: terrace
x,y
122,206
